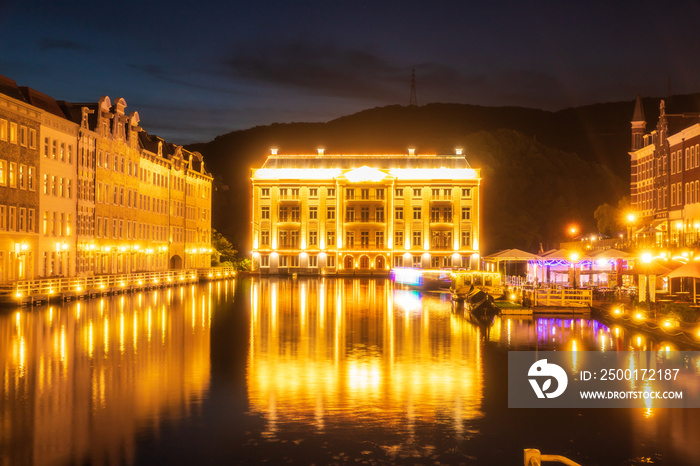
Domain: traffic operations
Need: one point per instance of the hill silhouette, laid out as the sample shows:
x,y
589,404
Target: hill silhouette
x,y
541,170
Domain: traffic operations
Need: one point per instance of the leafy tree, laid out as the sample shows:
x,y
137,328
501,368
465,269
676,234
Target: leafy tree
x,y
223,250
611,219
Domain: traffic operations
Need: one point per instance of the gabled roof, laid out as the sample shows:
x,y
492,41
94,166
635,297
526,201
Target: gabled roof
x,y
10,89
42,101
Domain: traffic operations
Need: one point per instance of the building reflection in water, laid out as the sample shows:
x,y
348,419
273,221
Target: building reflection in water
x,y
81,380
332,350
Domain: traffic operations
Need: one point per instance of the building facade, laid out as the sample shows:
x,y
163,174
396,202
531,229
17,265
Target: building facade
x,y
362,213
84,190
665,179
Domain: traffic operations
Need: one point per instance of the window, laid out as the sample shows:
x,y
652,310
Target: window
x,y
398,239
434,214
283,261
264,260
466,193
416,213
350,193
283,193
330,213
3,172
398,192
379,214
466,238
13,135
331,192
23,136
54,149
3,218
330,261
416,192
313,192
283,238
364,193
313,213
3,129
30,220
364,239
22,177
416,238
466,213
435,193
22,219
313,238
447,214
398,261
398,213
30,178
380,193
416,261
265,213
12,175
295,193
330,235
364,214
435,262
350,214
379,239
283,214
13,218
295,214
350,239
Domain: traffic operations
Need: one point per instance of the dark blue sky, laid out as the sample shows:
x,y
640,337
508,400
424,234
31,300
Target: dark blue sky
x,y
203,69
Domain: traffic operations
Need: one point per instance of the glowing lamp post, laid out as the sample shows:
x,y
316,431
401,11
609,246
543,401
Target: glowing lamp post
x,y
574,258
646,260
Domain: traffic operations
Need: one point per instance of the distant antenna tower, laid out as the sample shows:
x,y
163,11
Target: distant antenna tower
x,y
414,100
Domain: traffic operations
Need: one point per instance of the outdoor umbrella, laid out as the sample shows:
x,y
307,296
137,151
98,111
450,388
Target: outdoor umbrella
x,y
691,269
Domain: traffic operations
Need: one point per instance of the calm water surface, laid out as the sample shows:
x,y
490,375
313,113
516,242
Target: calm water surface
x,y
306,371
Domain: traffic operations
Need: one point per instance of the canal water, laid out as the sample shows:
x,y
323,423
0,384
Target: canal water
x,y
307,371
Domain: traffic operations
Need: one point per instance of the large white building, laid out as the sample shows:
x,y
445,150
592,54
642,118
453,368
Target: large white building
x,y
364,213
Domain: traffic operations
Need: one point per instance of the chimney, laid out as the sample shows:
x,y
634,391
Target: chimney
x,y
273,151
320,151
458,151
411,151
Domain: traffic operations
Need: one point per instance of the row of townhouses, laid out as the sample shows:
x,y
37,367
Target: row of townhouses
x,y
84,190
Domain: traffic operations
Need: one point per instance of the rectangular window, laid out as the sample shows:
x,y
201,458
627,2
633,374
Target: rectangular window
x,y
417,238
466,239
22,177
398,213
313,260
447,214
379,214
350,214
416,213
364,214
313,192
466,213
23,136
313,238
264,260
380,193
3,218
379,239
3,129
13,218
434,214
13,134
30,178
398,192
398,239
295,193
22,219
466,193
283,238
416,192
331,192
364,192
283,193
265,213
330,261
12,175
435,193
350,239
330,213
350,193
364,239
330,241
3,173
398,261
416,261
30,220
295,214
295,239
313,213
283,261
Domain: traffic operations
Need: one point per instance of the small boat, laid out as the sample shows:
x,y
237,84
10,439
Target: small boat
x,y
465,282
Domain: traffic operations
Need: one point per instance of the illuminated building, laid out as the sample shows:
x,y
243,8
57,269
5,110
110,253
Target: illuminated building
x,y
665,178
364,213
84,190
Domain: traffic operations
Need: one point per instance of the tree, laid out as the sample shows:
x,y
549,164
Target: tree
x,y
223,249
611,219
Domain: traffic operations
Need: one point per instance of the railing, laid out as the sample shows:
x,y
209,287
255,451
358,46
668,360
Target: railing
x,y
216,273
563,297
533,457
51,286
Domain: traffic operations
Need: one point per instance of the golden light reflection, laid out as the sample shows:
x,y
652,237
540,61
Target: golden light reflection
x,y
379,370
66,398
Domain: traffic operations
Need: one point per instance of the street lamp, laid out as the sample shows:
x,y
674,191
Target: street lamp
x,y
631,219
646,259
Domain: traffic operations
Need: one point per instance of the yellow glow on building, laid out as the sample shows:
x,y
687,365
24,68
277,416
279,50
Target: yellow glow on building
x,y
353,213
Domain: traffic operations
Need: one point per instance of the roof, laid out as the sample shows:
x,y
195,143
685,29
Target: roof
x,y
42,101
10,89
387,161
638,110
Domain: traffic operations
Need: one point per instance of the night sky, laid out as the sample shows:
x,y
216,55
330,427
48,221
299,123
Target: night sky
x,y
207,68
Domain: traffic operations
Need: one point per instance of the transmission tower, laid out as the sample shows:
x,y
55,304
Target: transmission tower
x,y
413,100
